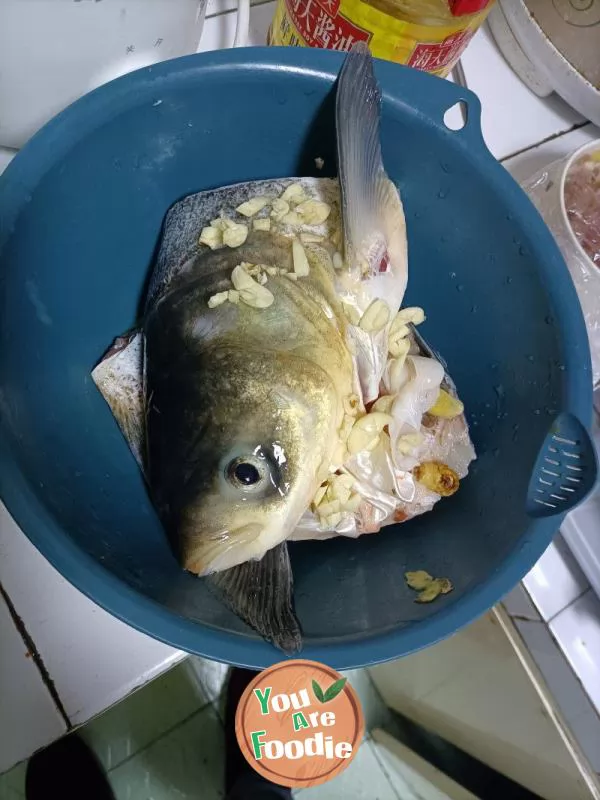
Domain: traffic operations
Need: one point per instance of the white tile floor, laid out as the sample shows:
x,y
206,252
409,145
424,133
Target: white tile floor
x,y
28,697
165,741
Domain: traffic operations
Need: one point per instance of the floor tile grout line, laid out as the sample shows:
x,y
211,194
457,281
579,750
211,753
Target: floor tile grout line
x,y
375,750
549,138
165,733
569,604
37,658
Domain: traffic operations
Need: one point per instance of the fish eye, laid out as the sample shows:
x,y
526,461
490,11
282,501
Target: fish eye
x,y
246,473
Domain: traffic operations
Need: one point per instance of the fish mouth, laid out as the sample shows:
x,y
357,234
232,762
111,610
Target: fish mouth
x,y
204,555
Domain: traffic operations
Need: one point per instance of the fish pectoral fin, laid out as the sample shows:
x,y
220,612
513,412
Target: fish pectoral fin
x,y
261,594
119,379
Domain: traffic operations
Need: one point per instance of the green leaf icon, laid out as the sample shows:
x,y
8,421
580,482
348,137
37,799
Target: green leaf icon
x,y
334,689
318,692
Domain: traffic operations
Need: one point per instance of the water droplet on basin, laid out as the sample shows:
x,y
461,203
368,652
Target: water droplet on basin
x,y
549,320
442,195
460,287
530,358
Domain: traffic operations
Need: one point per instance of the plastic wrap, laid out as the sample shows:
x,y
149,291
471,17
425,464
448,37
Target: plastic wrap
x,y
569,205
385,428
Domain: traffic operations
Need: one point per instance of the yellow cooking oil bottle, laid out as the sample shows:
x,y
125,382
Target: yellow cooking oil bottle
x,y
426,34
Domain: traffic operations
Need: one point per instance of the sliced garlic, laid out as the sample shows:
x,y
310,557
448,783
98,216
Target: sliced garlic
x,y
427,586
446,406
291,275
252,269
301,265
352,313
319,495
272,271
429,593
241,279
399,345
257,297
366,431
360,440
384,404
408,443
313,212
262,279
294,194
346,426
319,162
311,238
325,509
251,293
398,374
341,487
340,455
252,206
375,421
418,580
353,503
332,520
351,404
412,314
233,296
218,299
292,219
235,234
376,317
279,208
262,224
338,261
211,237
220,223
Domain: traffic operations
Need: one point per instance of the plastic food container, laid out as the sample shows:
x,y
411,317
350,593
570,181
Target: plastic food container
x,y
547,190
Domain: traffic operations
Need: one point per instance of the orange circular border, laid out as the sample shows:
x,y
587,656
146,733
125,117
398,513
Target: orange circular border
x,y
271,774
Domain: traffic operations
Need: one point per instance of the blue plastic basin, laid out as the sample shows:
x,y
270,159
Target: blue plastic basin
x,y
81,209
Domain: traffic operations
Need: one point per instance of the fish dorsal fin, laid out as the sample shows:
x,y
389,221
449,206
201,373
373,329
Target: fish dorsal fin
x,y
363,180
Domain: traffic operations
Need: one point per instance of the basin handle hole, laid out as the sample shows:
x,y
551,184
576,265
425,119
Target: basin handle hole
x,y
456,117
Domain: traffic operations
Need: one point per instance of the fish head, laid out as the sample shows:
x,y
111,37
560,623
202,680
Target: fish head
x,y
259,443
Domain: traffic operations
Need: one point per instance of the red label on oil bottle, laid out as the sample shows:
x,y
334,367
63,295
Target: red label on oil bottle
x,y
432,56
320,24
461,7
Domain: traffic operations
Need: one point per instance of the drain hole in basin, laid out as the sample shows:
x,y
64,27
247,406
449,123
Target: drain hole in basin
x,y
456,116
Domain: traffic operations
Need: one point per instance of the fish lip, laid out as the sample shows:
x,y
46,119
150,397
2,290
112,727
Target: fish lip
x,y
221,551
